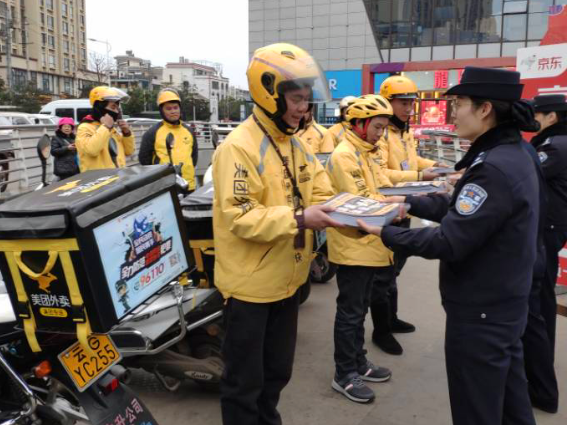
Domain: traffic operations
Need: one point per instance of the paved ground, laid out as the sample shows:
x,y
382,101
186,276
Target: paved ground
x,y
417,393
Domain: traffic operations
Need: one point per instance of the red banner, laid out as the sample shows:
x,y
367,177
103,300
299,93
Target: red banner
x,y
433,112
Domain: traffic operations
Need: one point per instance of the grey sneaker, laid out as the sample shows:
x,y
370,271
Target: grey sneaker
x,y
353,388
374,373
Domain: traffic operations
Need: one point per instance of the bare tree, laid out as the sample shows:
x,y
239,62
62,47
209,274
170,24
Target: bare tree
x,y
100,65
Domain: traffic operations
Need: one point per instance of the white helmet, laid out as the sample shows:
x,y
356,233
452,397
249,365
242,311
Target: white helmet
x,y
346,102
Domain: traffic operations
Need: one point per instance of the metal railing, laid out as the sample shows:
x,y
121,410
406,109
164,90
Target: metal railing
x,y
443,146
20,167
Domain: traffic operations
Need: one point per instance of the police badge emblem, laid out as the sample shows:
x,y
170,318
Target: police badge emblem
x,y
470,199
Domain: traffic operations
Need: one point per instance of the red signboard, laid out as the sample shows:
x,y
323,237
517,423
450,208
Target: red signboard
x,y
433,112
441,79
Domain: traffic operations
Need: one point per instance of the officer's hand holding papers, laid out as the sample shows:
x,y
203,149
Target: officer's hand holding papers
x,y
349,209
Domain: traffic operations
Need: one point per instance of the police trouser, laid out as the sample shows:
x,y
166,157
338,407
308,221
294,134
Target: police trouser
x,y
258,352
554,240
485,370
384,308
538,354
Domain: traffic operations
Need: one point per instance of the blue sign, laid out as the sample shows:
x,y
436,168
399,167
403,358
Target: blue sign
x,y
378,80
343,83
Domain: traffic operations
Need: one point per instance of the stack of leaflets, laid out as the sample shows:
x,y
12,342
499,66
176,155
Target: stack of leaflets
x,y
413,188
350,208
443,170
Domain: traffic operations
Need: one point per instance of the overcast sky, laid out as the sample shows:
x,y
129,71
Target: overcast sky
x,y
164,30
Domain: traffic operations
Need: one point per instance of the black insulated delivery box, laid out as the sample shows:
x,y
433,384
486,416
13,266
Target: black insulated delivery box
x,y
92,248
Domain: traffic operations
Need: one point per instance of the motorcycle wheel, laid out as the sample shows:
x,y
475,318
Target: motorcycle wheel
x,y
204,346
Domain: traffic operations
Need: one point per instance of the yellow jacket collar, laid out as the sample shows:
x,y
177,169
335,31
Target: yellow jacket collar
x,y
169,125
270,126
359,144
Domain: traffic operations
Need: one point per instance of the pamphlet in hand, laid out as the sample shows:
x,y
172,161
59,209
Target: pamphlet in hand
x,y
350,208
413,188
443,170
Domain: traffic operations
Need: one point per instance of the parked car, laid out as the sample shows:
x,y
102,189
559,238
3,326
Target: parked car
x,y
72,108
42,119
18,118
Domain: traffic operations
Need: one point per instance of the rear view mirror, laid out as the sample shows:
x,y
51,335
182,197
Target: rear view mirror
x,y
44,152
44,148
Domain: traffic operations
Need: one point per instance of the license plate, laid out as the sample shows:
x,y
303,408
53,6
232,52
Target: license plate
x,y
84,368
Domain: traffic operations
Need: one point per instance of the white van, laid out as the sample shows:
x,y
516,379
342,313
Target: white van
x,y
72,108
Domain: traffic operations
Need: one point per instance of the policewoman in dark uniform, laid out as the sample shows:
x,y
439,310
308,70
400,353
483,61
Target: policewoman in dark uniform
x,y
486,242
539,339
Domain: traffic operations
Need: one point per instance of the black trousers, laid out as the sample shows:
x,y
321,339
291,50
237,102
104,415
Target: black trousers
x,y
384,307
356,285
258,351
555,240
538,353
485,370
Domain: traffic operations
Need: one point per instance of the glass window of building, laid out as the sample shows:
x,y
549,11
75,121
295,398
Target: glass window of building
x,y
537,25
422,18
515,27
540,5
401,24
467,21
515,6
444,22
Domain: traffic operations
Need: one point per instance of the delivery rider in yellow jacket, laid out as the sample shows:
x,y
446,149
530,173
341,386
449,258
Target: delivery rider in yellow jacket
x,y
364,262
184,151
267,187
398,146
99,143
313,134
336,132
400,162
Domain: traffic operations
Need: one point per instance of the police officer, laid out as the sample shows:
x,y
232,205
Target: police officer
x,y
313,134
485,279
267,183
184,149
99,144
539,339
400,162
354,167
336,132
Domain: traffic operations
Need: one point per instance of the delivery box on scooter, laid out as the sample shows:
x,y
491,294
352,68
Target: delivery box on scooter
x,y
90,249
198,215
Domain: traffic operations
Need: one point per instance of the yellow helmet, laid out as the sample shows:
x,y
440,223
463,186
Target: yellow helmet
x,y
104,93
168,95
279,67
369,106
398,87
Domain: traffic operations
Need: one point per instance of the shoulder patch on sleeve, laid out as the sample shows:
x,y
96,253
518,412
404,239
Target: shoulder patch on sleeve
x,y
479,159
542,157
470,199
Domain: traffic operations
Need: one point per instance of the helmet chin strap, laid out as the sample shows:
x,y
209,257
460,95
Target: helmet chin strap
x,y
362,132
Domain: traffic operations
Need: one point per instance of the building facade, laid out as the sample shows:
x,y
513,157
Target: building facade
x,y
359,43
132,71
345,34
202,77
48,45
